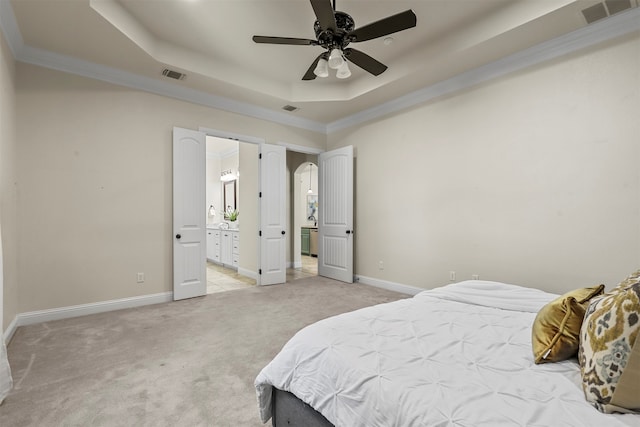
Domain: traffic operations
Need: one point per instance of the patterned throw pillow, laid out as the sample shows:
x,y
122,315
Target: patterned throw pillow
x,y
609,357
555,334
628,282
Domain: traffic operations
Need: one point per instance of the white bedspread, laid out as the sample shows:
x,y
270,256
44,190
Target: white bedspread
x,y
457,355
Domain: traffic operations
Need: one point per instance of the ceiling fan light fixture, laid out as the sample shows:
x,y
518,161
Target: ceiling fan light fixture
x,y
335,59
344,71
322,69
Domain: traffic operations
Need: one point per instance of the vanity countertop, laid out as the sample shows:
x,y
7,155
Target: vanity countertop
x,y
217,227
310,227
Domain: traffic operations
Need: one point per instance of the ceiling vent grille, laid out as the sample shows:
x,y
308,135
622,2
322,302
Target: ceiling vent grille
x,y
290,108
173,74
607,8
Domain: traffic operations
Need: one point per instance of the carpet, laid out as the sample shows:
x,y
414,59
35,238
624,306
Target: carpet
x,y
184,363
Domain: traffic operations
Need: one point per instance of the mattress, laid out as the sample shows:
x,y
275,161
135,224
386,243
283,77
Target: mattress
x,y
456,355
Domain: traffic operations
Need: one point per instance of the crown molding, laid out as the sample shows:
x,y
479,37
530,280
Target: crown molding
x,y
9,27
598,32
601,31
68,64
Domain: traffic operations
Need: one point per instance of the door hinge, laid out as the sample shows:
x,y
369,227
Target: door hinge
x,y
260,233
259,155
260,194
260,271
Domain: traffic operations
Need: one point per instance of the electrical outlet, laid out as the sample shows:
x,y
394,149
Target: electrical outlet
x,y
475,277
452,275
380,265
140,278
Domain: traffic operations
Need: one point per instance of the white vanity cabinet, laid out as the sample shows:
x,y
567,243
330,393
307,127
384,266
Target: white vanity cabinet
x,y
235,252
226,247
223,247
213,244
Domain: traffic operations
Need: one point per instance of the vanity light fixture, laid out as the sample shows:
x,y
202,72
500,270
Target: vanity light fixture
x,y
310,191
227,175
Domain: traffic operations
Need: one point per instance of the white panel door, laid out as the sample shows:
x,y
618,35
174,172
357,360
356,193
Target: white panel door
x,y
189,233
335,214
273,171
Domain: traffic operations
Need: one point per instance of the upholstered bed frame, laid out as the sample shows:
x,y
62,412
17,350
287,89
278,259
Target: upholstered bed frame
x,y
290,411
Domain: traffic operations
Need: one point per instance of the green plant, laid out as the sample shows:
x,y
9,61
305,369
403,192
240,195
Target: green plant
x,y
231,214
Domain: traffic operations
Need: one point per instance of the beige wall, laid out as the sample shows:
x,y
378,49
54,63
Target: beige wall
x,y
248,218
94,167
531,179
8,188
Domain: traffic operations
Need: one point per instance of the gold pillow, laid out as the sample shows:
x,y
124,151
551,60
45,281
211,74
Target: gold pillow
x,y
556,330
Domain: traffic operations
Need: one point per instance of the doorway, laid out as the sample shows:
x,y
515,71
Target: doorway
x,y
223,201
272,180
304,216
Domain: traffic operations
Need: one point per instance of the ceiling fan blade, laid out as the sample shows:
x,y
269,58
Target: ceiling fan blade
x,y
325,14
389,25
365,62
310,75
284,40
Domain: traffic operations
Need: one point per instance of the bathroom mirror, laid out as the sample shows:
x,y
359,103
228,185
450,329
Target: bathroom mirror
x,y
312,207
229,195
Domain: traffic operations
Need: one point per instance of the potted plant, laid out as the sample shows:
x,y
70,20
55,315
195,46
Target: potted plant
x,y
231,215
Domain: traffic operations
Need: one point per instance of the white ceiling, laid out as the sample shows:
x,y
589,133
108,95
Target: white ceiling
x,y
210,41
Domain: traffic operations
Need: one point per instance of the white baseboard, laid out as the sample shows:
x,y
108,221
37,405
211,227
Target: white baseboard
x,y
40,316
248,273
297,264
11,329
390,286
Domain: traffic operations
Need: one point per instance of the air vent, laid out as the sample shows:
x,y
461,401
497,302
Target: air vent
x,y
173,74
290,108
608,8
616,6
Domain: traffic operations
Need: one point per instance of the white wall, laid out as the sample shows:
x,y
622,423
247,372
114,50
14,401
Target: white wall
x,y
531,179
8,189
214,189
94,170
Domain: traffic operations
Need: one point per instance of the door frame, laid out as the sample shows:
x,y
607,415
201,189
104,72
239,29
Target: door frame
x,y
250,140
303,150
258,141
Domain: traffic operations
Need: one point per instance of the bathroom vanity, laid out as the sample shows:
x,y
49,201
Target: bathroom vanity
x,y
309,241
223,246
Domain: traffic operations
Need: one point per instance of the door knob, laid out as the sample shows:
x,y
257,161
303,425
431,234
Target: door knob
x,y
348,231
178,236
282,231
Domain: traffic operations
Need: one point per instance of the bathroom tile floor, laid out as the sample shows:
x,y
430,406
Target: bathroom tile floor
x,y
222,279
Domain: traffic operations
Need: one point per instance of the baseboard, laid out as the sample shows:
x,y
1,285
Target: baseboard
x,y
250,274
11,329
32,317
297,264
390,286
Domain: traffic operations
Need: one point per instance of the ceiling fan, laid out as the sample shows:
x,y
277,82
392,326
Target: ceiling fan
x,y
334,31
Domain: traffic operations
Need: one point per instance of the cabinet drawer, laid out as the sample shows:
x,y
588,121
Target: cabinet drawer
x,y
236,260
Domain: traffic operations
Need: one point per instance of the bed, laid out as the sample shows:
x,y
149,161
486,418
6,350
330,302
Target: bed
x,y
456,355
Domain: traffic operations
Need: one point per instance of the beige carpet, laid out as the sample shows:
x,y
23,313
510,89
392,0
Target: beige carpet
x,y
187,363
